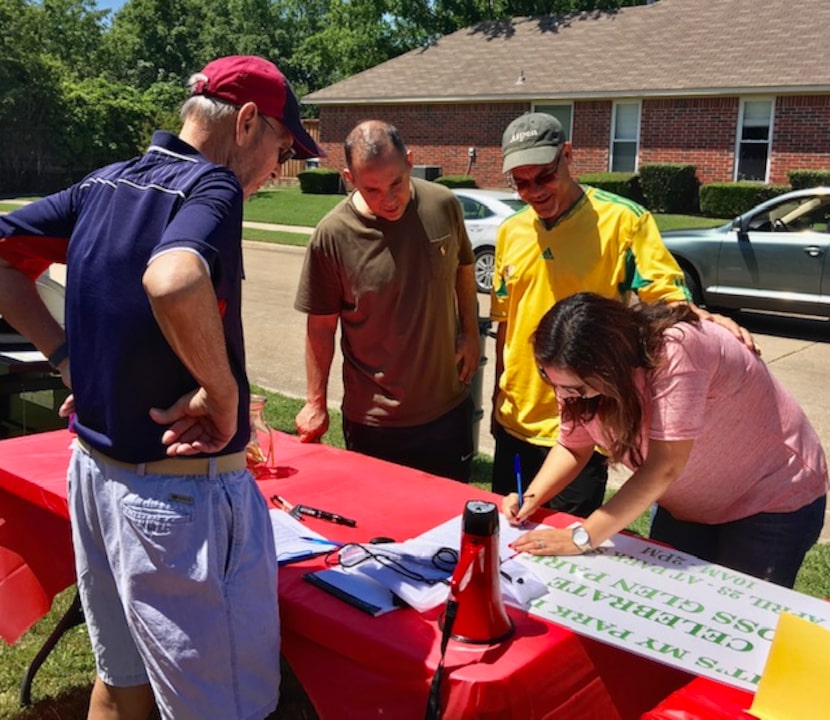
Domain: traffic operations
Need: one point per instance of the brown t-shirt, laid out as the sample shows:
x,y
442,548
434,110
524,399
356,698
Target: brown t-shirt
x,y
393,285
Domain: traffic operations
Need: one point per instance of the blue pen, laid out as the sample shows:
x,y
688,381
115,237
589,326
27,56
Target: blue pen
x,y
321,541
517,468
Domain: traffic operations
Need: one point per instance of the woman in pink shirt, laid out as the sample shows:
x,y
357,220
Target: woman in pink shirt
x,y
736,469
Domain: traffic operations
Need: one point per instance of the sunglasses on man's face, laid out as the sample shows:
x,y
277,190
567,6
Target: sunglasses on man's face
x,y
544,177
285,154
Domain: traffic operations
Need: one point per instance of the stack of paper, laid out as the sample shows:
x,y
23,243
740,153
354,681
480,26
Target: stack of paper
x,y
294,541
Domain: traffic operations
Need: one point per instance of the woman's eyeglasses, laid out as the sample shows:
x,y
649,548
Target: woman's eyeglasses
x,y
576,392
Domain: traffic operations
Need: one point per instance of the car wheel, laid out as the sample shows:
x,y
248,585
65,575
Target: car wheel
x,y
483,267
694,286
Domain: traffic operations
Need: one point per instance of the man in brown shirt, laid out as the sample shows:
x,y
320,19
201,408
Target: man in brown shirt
x,y
393,264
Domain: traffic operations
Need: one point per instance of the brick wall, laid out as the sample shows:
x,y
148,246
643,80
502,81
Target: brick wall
x,y
801,135
700,131
591,135
438,134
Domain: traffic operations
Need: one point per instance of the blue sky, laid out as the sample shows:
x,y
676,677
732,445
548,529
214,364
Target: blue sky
x,y
110,4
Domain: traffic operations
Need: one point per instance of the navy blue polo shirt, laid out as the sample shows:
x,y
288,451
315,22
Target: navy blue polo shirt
x,y
112,223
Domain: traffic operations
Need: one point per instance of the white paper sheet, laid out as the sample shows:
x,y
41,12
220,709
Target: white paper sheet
x,y
23,356
290,539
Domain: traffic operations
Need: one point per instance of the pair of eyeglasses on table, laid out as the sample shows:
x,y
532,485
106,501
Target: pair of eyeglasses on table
x,y
443,560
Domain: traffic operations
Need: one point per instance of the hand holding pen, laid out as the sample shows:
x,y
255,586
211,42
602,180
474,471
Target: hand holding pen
x,y
513,503
517,469
511,509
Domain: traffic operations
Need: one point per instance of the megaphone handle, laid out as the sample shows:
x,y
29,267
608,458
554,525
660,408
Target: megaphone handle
x,y
433,711
461,576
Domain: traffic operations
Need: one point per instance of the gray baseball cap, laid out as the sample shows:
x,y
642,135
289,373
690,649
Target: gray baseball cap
x,y
532,139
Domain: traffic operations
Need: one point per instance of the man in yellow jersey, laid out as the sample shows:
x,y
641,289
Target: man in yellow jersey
x,y
569,239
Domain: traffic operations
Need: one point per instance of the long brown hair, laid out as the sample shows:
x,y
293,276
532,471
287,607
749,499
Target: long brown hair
x,y
602,341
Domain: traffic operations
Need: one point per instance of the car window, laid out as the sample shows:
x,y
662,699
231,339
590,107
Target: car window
x,y
818,218
515,203
807,213
474,210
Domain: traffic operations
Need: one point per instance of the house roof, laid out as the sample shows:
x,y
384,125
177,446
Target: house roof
x,y
670,48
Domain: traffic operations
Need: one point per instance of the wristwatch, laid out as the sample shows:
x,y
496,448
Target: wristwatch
x,y
581,538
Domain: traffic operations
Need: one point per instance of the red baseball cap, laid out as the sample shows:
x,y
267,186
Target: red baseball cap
x,y
238,79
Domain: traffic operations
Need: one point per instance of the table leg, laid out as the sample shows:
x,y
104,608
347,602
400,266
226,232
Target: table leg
x,y
73,616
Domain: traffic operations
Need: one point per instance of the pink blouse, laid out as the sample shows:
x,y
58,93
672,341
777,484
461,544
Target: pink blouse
x,y
754,451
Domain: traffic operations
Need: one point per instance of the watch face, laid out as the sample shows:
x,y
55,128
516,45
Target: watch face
x,y
581,537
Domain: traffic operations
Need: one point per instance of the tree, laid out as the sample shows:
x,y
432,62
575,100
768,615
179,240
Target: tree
x,y
71,32
104,122
355,35
29,97
167,40
154,41
236,27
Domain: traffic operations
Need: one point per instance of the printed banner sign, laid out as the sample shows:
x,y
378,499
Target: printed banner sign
x,y
671,607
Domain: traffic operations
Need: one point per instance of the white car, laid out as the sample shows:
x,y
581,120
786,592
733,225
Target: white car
x,y
484,211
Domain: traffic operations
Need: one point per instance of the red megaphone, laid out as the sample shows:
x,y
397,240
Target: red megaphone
x,y
474,586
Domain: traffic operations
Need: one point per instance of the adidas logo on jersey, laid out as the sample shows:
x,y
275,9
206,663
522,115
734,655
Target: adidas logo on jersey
x,y
547,254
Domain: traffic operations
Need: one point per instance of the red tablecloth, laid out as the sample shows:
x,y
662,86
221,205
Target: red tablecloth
x,y
36,560
351,665
703,699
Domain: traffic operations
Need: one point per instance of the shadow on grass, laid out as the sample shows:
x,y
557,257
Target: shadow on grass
x,y
73,704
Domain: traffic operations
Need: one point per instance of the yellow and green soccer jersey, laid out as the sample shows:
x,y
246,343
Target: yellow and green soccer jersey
x,y
604,244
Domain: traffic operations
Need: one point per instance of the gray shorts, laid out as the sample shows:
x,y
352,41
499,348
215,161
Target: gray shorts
x,y
178,580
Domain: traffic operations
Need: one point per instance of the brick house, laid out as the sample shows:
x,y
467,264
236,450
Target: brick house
x,y
739,88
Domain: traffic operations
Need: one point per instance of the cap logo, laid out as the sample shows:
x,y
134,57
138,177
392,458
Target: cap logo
x,y
523,135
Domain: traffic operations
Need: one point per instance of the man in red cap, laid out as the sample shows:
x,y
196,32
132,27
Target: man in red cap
x,y
174,551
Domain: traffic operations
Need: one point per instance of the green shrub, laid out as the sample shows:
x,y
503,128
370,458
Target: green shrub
x,y
808,178
320,181
731,199
456,181
619,183
669,187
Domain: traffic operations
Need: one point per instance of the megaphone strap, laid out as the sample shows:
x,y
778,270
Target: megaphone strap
x,y
434,700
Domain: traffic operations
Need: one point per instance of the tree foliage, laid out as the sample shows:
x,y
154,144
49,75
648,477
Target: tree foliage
x,y
29,96
426,20
80,86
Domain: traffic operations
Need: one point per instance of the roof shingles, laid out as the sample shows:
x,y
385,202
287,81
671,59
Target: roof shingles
x,y
672,47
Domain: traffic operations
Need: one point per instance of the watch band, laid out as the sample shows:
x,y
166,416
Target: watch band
x,y
59,354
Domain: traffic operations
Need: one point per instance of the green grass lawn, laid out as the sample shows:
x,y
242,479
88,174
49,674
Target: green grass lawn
x,y
686,222
61,689
8,207
275,236
288,206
